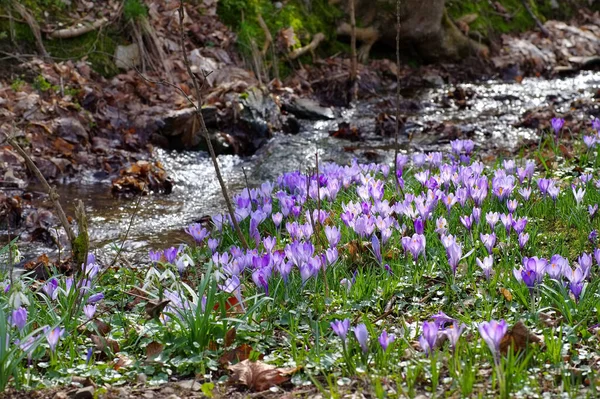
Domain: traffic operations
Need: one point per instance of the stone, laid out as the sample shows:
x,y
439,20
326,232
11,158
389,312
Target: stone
x,y
127,57
189,385
305,108
84,393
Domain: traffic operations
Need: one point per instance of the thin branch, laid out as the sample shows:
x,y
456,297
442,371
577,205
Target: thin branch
x,y
211,150
535,18
317,39
75,31
397,94
268,36
133,215
354,65
33,25
51,191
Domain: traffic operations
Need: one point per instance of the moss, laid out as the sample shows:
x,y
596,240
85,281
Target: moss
x,y
242,17
490,21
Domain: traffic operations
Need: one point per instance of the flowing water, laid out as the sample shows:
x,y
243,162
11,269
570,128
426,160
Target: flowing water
x,y
160,219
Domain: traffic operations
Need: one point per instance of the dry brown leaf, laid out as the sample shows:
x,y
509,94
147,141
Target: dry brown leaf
x,y
154,309
103,344
122,361
230,337
237,355
519,337
153,349
259,376
506,294
101,327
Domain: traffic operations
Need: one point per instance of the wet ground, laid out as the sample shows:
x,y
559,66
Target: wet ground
x,y
487,117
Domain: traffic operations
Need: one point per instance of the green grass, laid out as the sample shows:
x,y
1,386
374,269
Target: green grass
x,y
290,325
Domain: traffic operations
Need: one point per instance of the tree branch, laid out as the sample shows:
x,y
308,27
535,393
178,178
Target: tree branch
x,y
204,130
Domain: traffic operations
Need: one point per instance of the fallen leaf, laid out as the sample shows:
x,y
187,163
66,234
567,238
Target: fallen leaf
x,y
122,361
519,337
259,376
101,327
154,309
230,337
103,344
153,349
237,355
506,294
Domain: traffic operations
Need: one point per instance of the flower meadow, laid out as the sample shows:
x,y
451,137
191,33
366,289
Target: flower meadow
x,y
437,276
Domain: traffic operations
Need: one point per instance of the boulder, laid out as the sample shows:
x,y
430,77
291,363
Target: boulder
x,y
305,108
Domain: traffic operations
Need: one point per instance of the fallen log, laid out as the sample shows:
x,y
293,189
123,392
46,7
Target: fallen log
x,y
299,52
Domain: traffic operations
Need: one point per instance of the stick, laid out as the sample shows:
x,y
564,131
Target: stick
x,y
397,94
211,150
75,31
299,52
354,65
51,191
536,19
268,36
33,25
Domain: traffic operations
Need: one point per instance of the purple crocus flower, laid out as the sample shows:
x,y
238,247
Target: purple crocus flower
x,y
454,332
198,232
576,279
441,319
385,340
486,266
467,221
556,266
428,339
171,254
557,124
529,277
492,333
519,225
596,124
492,218
362,336
488,240
507,221
419,227
578,194
95,298
155,256
213,244
340,328
50,288
376,248
454,253
277,219
523,238
590,141
19,318
525,193
585,261
89,311
333,235
593,236
53,336
592,210
415,245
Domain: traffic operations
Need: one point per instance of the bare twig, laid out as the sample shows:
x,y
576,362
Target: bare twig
x,y
354,67
51,191
75,31
33,25
535,18
268,36
133,215
317,39
397,94
211,150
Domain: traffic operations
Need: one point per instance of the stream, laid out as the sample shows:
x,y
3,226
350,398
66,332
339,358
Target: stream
x,y
159,219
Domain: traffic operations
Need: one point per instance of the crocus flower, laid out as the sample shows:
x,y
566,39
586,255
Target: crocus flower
x,y
95,298
362,336
198,232
155,256
89,311
578,194
19,318
557,124
453,333
213,244
556,266
277,219
585,261
596,124
415,245
590,141
385,340
592,210
376,248
454,252
340,328
346,283
519,225
576,279
428,339
50,288
53,336
492,333
441,319
525,193
333,235
171,254
523,238
593,237
488,240
467,221
486,266
507,221
492,218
